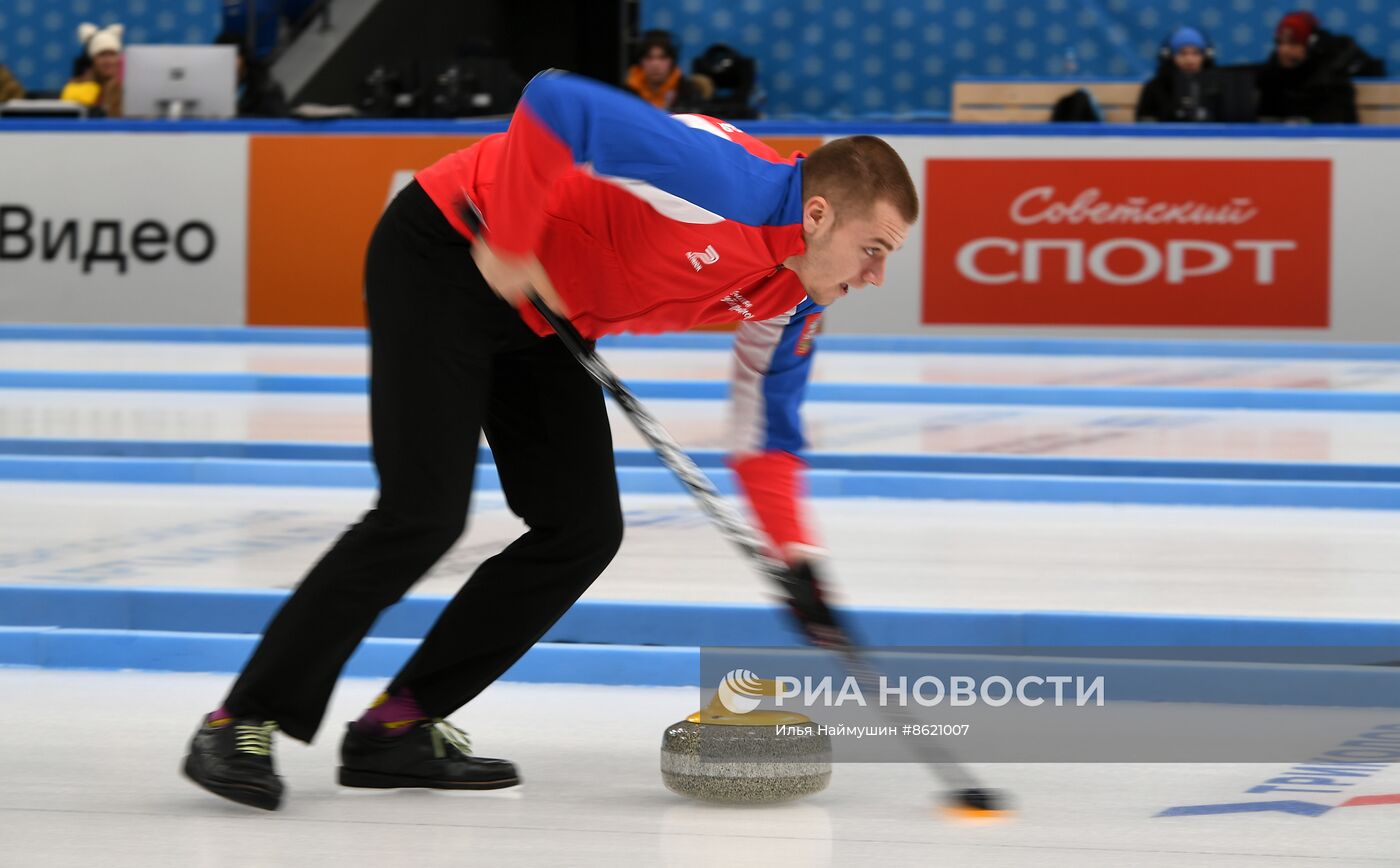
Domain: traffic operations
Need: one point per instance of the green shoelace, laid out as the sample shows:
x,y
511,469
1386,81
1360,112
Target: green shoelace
x,y
255,739
445,734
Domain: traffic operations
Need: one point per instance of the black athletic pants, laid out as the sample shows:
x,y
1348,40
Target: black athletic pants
x,y
448,360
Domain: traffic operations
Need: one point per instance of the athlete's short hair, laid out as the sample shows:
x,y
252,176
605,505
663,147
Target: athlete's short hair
x,y
858,171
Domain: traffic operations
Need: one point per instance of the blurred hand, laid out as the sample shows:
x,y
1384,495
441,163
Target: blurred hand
x,y
513,278
807,600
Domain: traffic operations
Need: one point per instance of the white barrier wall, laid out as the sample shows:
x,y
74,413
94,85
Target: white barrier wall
x,y
1336,199
1025,230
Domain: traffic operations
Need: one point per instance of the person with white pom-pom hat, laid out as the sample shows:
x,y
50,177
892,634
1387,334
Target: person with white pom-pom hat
x,y
100,85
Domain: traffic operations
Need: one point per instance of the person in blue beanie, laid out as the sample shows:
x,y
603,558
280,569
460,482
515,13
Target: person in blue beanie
x,y
1182,90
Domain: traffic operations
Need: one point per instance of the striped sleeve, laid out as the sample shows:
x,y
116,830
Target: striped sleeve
x,y
772,362
563,121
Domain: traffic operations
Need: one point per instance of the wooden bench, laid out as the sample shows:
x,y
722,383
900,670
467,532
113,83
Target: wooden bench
x,y
1377,101
1031,101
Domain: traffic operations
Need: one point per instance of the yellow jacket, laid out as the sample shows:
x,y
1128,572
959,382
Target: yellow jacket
x,y
93,95
85,92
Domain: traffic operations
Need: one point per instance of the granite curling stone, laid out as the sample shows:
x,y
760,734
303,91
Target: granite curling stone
x,y
717,755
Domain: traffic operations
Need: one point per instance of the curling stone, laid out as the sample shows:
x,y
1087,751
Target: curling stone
x,y
737,757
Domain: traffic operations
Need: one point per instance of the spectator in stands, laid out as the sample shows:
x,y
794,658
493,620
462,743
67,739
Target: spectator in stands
x,y
97,83
1182,91
82,66
1308,75
259,96
9,85
656,77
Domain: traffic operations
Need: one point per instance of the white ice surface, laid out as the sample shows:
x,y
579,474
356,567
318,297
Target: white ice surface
x,y
1286,562
830,426
713,364
90,765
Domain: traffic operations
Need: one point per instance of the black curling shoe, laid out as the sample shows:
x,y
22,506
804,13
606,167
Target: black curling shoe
x,y
434,754
233,759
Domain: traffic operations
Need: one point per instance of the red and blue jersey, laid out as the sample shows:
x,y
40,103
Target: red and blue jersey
x,y
647,222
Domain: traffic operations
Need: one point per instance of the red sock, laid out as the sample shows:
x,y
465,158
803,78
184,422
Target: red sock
x,y
391,715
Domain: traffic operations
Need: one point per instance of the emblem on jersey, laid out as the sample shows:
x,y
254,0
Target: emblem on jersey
x,y
702,258
809,331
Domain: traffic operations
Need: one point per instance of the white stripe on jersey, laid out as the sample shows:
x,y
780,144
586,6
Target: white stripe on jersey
x,y
666,204
754,346
705,124
669,204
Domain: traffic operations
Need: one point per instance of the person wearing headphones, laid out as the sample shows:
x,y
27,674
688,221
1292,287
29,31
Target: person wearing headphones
x,y
1308,75
1181,91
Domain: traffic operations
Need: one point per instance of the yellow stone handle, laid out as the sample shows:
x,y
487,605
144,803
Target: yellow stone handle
x,y
716,713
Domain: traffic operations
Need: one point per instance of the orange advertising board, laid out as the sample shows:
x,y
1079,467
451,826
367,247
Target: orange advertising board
x,y
1127,242
312,204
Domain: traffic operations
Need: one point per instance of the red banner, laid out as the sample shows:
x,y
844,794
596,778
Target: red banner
x,y
1140,242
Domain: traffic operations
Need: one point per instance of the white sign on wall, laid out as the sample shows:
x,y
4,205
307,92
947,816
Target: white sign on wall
x,y
137,228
